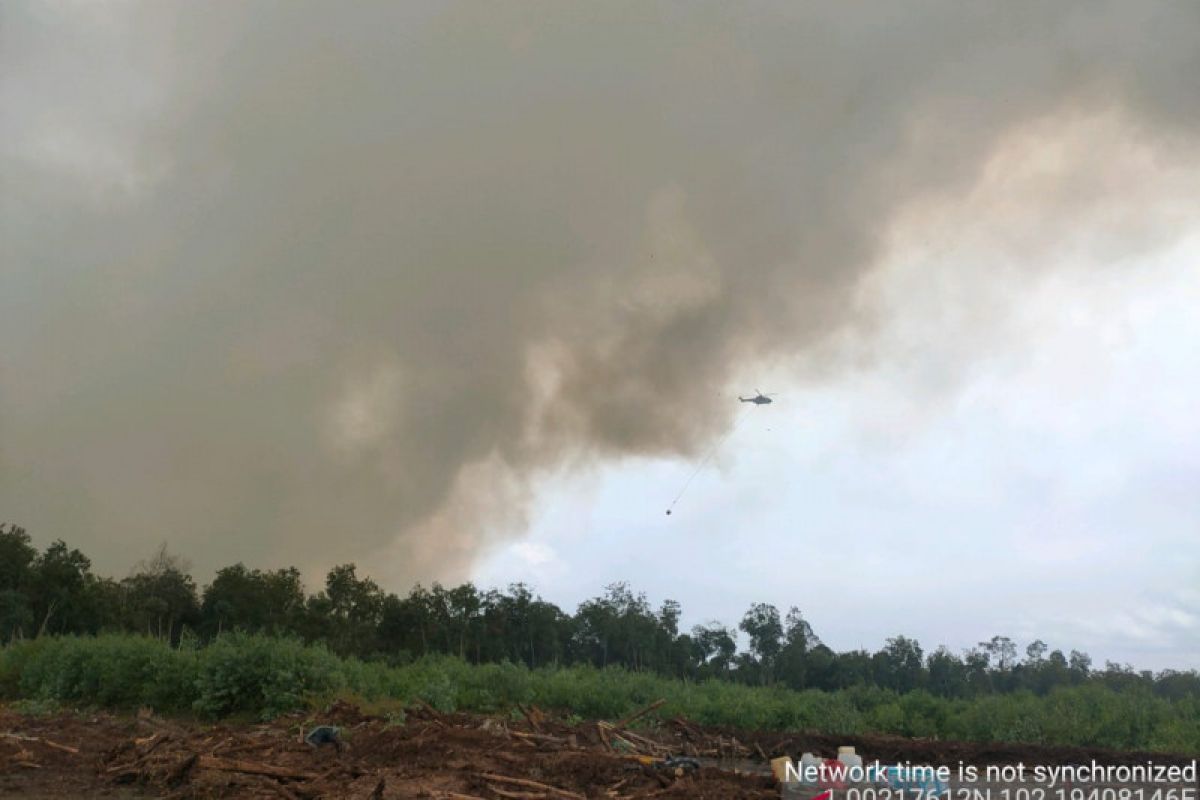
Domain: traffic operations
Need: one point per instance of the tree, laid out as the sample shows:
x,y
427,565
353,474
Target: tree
x,y
465,605
715,645
798,632
160,596
17,555
350,610
617,628
549,632
975,666
56,589
762,624
1052,672
104,603
1080,666
253,601
1002,652
821,669
799,640
1175,685
899,665
16,615
284,599
405,624
853,668
947,675
54,592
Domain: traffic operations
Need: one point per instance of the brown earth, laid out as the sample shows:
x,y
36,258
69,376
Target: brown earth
x,y
432,755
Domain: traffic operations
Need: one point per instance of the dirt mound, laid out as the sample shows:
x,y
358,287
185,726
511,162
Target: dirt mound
x,y
433,755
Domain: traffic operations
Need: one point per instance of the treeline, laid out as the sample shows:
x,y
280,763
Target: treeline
x,y
55,592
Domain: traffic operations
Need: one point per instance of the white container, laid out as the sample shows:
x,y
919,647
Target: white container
x,y
853,762
809,764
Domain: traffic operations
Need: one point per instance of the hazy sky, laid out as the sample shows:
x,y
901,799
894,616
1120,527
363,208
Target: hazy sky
x,y
1050,494
467,290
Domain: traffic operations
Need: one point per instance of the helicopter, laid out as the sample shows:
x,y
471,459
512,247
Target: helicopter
x,y
759,400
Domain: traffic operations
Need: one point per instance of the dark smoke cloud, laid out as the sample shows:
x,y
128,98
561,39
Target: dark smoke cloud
x,y
316,282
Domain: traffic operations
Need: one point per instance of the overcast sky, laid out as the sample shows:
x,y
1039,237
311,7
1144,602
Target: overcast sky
x,y
469,291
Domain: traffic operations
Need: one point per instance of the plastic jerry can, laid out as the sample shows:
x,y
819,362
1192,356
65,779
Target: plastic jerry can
x,y
853,763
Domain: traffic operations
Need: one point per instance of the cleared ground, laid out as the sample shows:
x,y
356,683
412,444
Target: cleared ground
x,y
433,755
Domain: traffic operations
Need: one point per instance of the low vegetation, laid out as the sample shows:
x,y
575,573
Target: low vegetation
x,y
55,593
255,642
262,676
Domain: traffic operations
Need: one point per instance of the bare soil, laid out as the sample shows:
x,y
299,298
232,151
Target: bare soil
x,y
445,756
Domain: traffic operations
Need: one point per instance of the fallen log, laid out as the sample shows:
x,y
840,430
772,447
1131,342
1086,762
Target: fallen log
x,y
511,795
647,744
528,784
639,714
127,773
52,745
156,741
539,737
603,734
627,745
242,748
252,768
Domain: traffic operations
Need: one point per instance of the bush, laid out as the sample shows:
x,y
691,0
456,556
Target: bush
x,y
257,675
121,672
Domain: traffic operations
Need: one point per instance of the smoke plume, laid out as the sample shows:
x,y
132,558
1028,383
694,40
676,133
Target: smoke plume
x,y
312,282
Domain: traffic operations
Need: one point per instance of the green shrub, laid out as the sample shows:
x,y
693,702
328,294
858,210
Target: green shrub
x,y
111,671
240,673
14,659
